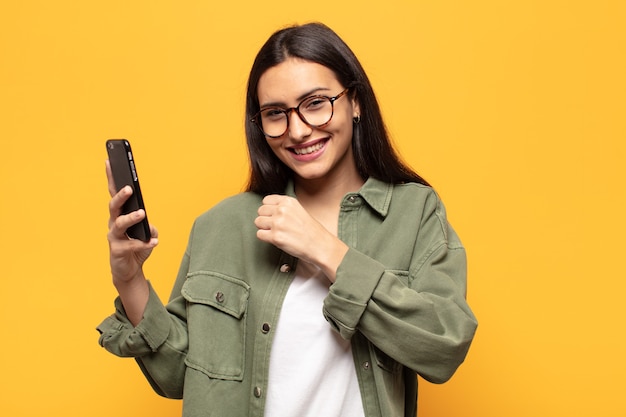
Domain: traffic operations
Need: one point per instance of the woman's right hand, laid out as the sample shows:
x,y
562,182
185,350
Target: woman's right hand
x,y
126,255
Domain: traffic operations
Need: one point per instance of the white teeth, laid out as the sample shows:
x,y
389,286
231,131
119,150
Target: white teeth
x,y
309,149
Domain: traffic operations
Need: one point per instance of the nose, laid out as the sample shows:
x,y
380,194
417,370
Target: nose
x,y
297,128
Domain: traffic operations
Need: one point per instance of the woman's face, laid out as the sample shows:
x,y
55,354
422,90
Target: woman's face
x,y
322,154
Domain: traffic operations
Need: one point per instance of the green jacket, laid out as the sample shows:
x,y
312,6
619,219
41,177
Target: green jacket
x,y
399,296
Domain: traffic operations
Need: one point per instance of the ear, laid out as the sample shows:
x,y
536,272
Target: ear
x,y
356,109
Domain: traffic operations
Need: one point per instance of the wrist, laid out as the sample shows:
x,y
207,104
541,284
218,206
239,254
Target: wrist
x,y
134,295
332,258
137,281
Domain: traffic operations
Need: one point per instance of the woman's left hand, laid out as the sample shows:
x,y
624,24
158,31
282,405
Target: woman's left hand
x,y
284,223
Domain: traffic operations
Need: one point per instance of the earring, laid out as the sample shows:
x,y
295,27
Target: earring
x,y
357,119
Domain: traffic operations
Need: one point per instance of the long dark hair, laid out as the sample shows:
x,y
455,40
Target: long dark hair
x,y
373,152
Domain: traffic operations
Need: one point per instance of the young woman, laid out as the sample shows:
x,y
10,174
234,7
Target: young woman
x,y
324,289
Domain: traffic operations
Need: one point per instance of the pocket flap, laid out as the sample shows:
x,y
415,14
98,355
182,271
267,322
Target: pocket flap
x,y
225,293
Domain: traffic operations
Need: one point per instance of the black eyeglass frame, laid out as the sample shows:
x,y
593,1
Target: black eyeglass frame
x,y
287,112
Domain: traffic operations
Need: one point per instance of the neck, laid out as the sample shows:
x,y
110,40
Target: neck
x,y
324,193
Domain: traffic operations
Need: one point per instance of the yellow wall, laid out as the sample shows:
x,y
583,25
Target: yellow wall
x,y
514,110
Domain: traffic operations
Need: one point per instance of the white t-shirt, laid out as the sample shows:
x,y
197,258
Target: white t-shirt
x,y
311,367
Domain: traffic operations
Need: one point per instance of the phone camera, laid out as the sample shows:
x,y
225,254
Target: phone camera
x,y
110,145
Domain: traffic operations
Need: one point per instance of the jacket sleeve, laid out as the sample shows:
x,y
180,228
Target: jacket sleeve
x,y
422,322
158,342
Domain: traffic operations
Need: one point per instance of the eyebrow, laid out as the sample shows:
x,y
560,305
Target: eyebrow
x,y
309,93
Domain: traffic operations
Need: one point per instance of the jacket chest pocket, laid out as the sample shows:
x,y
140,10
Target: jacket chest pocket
x,y
216,321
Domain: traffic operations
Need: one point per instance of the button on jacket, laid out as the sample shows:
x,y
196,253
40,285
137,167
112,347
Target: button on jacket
x,y
399,297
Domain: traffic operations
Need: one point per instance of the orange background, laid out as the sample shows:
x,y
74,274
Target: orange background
x,y
513,110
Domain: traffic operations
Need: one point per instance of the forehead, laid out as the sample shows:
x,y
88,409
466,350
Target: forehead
x,y
294,77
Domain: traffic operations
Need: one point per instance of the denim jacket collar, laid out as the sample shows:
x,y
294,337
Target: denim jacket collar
x,y
376,193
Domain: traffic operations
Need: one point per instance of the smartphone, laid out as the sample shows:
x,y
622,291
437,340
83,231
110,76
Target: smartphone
x,y
124,172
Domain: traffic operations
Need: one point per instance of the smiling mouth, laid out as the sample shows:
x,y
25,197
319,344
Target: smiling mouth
x,y
309,149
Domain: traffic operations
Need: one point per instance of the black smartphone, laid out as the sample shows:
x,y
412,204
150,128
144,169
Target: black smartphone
x,y
124,172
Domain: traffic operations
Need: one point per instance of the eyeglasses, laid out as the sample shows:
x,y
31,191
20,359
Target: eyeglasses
x,y
315,111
